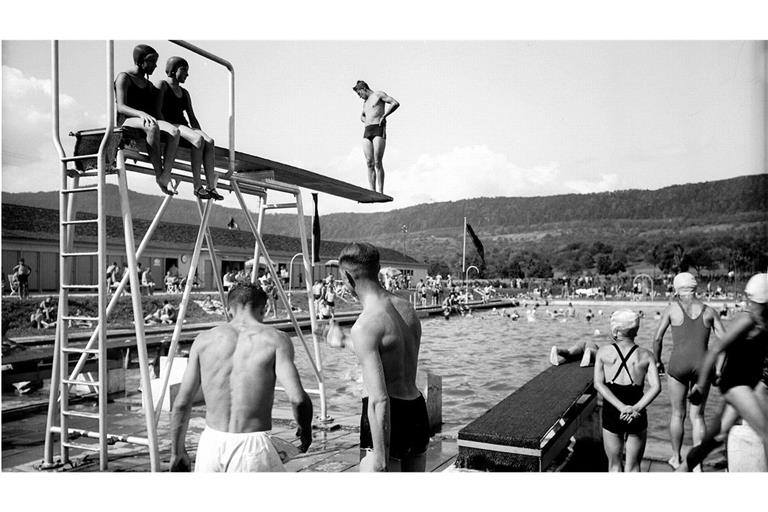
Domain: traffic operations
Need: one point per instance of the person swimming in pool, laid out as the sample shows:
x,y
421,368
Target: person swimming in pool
x,y
394,424
624,416
174,102
137,107
691,321
377,106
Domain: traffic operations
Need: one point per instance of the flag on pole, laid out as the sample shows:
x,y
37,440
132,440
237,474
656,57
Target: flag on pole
x,y
315,233
477,242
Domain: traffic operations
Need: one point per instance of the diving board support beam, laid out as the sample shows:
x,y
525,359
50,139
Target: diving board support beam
x,y
214,260
182,311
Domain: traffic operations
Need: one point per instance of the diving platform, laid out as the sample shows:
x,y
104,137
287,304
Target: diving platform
x,y
249,170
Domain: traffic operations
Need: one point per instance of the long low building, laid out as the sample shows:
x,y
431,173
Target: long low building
x,y
33,234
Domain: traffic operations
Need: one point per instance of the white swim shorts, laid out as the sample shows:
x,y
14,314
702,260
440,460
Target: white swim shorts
x,y
234,452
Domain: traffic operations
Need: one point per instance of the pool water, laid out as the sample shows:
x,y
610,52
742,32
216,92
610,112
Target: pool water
x,y
484,358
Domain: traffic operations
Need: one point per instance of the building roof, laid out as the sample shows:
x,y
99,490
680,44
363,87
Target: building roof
x,y
27,222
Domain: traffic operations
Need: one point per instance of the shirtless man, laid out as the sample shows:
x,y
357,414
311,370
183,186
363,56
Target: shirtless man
x,y
237,364
394,425
624,417
691,321
377,105
137,107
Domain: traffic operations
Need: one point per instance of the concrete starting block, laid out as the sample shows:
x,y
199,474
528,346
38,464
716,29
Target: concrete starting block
x,y
531,428
431,387
745,450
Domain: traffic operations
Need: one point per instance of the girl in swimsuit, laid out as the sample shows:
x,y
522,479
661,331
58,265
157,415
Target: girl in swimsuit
x,y
745,345
137,108
625,420
691,322
174,101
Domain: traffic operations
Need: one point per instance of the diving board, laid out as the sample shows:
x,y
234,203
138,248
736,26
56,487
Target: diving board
x,y
249,169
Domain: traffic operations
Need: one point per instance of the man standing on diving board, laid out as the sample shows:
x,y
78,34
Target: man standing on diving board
x,y
377,105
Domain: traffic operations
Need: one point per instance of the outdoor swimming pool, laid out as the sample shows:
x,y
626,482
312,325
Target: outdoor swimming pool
x,y
484,358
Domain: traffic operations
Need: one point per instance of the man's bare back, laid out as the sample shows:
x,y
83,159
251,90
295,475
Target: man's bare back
x,y
236,365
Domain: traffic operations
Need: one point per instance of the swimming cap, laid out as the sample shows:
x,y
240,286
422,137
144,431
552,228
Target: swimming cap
x,y
141,52
175,63
624,320
757,288
684,283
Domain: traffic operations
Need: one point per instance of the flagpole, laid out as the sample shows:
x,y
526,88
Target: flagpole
x,y
464,250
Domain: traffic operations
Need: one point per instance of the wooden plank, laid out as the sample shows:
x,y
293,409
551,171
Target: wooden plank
x,y
249,169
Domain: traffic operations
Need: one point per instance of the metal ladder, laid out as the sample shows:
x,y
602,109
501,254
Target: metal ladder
x,y
61,378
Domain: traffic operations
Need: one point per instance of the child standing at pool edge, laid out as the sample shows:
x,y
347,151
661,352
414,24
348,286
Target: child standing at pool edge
x,y
625,421
174,101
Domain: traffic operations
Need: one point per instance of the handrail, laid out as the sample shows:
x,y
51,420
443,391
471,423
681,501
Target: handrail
x,y
215,58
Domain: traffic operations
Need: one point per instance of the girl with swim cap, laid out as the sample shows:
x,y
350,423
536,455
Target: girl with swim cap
x,y
174,102
137,107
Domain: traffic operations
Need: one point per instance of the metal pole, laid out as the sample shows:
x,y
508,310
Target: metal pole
x,y
464,248
183,307
123,282
256,255
138,313
311,305
214,261
290,276
54,390
102,261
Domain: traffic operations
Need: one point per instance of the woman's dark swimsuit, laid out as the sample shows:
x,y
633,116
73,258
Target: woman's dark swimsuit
x,y
174,107
628,394
744,361
375,130
409,432
690,344
140,98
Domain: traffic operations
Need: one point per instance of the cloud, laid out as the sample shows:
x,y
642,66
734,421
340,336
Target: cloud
x,y
29,157
605,183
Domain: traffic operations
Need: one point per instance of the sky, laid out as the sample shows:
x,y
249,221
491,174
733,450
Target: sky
x,y
477,118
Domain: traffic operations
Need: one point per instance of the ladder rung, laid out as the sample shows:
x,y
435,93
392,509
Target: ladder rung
x,y
81,414
83,318
79,157
80,446
79,189
77,350
75,254
78,286
86,221
88,383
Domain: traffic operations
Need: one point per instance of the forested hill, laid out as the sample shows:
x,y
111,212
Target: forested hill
x,y
700,201
709,200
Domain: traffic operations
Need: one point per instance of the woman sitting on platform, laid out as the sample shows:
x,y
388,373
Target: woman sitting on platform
x,y
174,100
137,108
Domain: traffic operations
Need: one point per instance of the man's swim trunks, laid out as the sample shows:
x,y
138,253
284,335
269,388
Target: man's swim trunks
x,y
230,452
409,433
375,130
690,344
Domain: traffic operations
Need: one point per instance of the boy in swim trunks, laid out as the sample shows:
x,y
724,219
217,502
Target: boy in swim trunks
x,y
745,345
691,321
625,420
237,364
137,107
377,106
174,101
394,425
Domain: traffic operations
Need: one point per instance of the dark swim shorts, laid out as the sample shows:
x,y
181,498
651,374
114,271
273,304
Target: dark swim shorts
x,y
375,130
409,433
612,422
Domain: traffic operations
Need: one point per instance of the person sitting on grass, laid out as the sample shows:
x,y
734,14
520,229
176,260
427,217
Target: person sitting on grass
x,y
37,319
80,323
155,317
168,313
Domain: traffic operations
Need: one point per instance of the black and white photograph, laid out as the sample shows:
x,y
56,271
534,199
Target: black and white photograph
x,y
463,256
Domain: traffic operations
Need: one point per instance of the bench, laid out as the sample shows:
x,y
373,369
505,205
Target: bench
x,y
531,428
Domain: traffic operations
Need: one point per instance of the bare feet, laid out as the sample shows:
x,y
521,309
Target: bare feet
x,y
165,187
675,462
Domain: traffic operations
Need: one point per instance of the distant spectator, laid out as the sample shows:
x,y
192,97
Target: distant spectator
x,y
112,275
148,281
37,319
168,314
22,272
